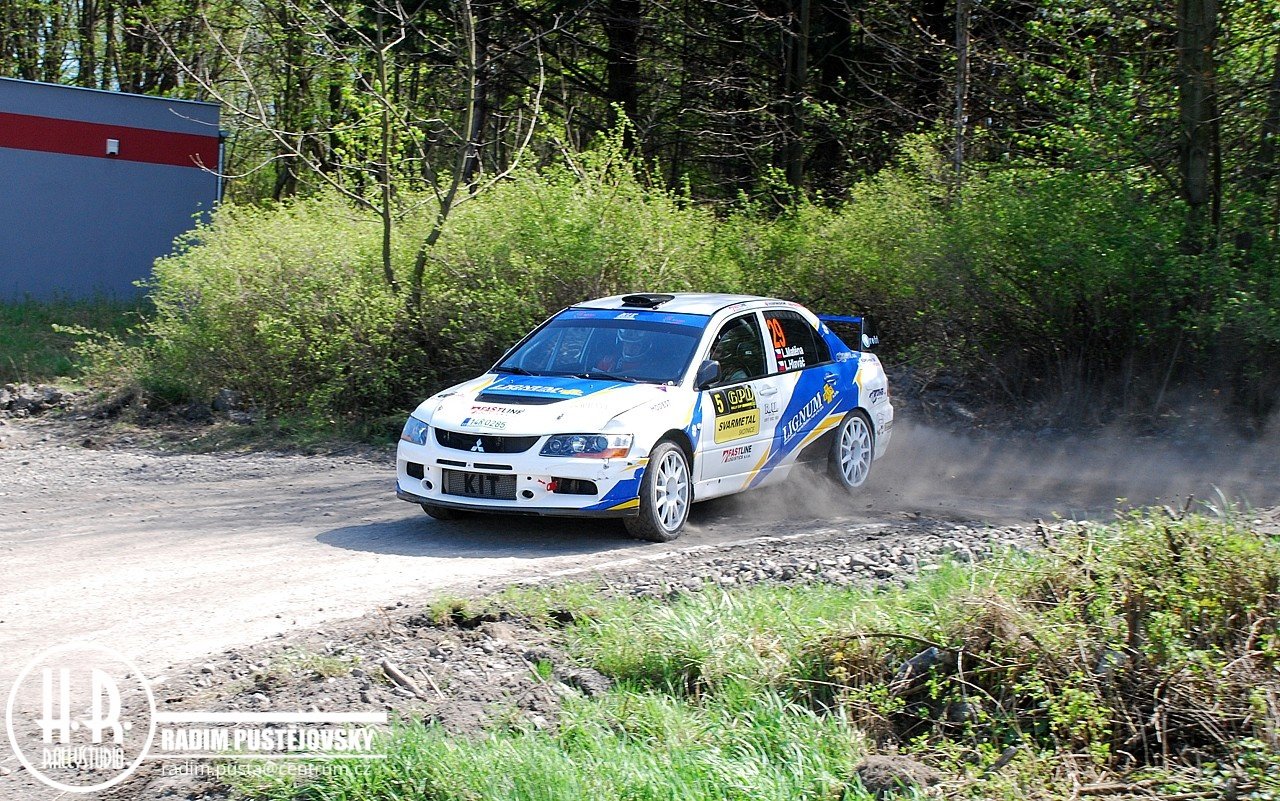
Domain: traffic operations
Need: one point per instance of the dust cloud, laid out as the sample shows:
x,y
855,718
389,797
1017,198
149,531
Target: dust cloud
x,y
1009,478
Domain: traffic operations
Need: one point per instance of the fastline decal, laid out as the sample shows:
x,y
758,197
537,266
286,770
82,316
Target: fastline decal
x,y
77,138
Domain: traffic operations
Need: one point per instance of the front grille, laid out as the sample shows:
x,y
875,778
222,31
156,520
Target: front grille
x,y
494,486
483,443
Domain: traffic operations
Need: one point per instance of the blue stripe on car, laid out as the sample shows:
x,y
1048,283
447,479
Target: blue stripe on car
x,y
811,403
548,386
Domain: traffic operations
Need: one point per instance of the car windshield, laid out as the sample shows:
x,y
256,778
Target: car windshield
x,y
646,347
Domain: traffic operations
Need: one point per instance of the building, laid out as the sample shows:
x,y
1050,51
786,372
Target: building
x,y
94,186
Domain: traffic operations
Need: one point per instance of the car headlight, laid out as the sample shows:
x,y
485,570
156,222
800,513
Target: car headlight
x,y
415,431
594,446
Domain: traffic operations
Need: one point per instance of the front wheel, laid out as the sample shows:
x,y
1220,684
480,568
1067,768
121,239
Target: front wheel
x,y
666,492
852,451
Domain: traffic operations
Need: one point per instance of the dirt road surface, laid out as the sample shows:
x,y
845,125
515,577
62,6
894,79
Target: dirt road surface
x,y
168,556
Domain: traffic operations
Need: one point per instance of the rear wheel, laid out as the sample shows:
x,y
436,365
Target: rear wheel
x,y
852,451
666,491
441,512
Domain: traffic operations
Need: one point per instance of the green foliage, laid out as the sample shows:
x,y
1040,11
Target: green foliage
x,y
1127,643
1082,271
1034,284
537,243
1151,626
288,304
703,642
39,340
627,744
879,251
284,304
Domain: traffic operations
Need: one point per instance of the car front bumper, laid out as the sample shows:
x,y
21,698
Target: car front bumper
x,y
539,481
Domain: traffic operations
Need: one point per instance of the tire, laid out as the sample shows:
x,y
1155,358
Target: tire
x,y
441,512
852,451
666,492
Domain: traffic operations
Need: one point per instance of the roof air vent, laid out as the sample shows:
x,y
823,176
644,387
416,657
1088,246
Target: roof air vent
x,y
649,301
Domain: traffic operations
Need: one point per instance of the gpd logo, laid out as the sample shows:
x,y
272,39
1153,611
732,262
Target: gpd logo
x,y
80,717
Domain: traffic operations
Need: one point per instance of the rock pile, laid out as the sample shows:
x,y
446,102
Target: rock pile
x,y
24,400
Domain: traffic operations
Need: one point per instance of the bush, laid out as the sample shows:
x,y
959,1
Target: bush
x,y
542,241
286,305
289,306
1070,279
878,253
1151,642
1038,284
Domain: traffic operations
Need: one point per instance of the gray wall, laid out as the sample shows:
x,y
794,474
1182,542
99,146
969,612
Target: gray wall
x,y
76,226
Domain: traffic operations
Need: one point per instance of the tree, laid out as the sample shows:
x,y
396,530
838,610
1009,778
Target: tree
x,y
1198,156
326,84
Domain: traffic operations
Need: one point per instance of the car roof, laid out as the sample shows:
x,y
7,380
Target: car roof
x,y
707,303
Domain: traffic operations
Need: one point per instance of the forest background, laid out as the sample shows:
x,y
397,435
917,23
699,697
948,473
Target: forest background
x,y
1072,207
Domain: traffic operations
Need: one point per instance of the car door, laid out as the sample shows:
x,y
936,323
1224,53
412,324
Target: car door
x,y
807,381
736,409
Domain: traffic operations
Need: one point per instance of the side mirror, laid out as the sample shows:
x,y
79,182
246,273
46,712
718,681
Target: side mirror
x,y
708,374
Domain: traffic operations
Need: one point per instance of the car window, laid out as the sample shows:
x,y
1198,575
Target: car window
x,y
739,349
796,345
627,349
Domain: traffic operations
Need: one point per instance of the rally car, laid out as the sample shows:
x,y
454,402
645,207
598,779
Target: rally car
x,y
636,406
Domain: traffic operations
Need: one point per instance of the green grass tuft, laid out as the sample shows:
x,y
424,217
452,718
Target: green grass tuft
x,y
629,744
33,350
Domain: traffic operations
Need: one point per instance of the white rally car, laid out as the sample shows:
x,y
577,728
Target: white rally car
x,y
636,406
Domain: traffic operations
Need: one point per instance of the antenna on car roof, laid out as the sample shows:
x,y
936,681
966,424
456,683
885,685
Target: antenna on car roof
x,y
647,301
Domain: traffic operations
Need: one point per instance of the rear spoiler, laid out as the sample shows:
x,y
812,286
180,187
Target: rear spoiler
x,y
866,330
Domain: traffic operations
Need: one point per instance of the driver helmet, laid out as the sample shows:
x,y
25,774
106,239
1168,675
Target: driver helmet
x,y
635,343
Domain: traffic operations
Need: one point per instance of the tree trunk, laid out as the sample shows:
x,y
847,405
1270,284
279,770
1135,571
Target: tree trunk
x,y
53,45
384,167
87,69
1267,168
797,83
962,89
111,56
480,119
622,71
1197,114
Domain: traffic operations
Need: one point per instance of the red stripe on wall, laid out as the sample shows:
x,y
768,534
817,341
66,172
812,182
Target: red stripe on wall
x,y
76,138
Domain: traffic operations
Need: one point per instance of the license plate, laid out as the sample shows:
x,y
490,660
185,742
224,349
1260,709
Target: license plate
x,y
494,486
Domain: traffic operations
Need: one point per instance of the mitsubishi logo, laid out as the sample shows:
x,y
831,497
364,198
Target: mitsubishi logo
x,y
478,447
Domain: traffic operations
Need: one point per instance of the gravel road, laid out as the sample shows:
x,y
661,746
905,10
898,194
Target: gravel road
x,y
171,556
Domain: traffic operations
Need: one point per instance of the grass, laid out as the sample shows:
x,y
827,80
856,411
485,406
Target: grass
x,y
31,350
629,744
1145,655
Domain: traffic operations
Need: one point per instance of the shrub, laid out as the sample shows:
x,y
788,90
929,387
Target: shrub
x,y
545,240
1038,284
289,306
1151,642
1067,277
286,305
